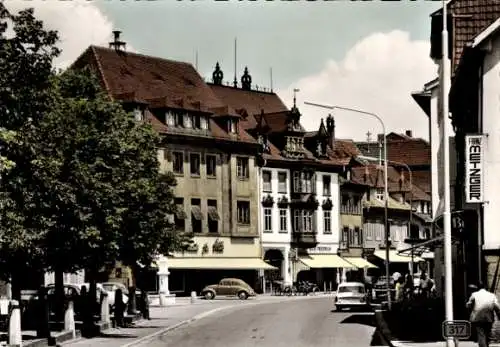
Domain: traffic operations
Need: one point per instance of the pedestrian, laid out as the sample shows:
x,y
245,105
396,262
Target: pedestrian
x,y
408,287
145,305
483,305
426,285
399,289
119,309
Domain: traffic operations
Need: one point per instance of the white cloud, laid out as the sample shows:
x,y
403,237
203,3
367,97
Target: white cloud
x,y
80,23
377,75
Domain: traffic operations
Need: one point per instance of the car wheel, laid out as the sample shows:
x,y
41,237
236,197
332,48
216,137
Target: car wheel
x,y
338,308
209,295
242,295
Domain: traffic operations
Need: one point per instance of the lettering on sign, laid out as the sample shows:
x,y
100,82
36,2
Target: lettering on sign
x,y
320,249
458,329
474,159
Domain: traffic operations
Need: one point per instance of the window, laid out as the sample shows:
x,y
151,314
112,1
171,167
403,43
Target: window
x,y
308,221
297,223
282,182
196,215
194,160
138,114
179,120
211,165
266,181
303,182
178,162
379,195
242,168
357,236
327,222
326,185
283,220
268,220
345,236
195,121
203,123
243,208
170,119
179,215
233,126
213,216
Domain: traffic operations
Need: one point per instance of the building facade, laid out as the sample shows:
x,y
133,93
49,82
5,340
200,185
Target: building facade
x,y
211,155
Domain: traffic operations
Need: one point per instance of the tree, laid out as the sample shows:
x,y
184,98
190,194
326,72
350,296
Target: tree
x,y
25,74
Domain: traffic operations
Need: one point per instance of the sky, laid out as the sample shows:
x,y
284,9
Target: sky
x,y
366,55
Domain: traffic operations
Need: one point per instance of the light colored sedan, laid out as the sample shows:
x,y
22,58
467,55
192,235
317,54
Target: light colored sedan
x,y
111,288
351,295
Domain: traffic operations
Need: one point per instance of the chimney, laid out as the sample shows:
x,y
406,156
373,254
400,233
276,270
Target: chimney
x,y
117,44
330,128
409,133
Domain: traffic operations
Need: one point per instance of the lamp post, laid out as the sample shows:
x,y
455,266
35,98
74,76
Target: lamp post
x,y
386,194
411,198
445,87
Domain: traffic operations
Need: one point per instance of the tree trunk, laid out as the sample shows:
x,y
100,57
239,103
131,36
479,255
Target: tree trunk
x,y
89,328
132,301
16,286
59,297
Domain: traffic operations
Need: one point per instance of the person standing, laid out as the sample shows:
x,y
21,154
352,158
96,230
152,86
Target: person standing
x,y
483,305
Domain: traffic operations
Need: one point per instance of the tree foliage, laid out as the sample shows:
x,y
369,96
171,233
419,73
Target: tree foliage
x,y
84,188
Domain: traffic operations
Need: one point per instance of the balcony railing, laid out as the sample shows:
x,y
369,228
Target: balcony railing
x,y
304,239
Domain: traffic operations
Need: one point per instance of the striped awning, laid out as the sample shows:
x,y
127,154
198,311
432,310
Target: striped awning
x,y
360,263
325,261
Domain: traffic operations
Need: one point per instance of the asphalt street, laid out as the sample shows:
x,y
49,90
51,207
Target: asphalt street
x,y
298,323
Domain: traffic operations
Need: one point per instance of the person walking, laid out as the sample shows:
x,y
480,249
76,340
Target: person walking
x,y
484,306
119,309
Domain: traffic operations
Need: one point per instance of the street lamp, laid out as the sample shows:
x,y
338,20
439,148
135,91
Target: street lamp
x,y
411,197
445,88
386,194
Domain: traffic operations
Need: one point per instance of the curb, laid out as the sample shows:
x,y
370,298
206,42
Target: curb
x,y
383,329
204,315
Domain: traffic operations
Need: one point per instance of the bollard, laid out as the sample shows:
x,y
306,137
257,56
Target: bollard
x,y
15,335
105,316
193,297
324,287
331,286
69,319
271,287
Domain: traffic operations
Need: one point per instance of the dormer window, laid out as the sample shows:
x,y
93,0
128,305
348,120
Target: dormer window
x,y
170,119
233,126
138,114
195,121
179,120
380,194
203,123
188,122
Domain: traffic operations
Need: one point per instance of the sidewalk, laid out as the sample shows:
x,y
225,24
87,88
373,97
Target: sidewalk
x,y
438,344
170,317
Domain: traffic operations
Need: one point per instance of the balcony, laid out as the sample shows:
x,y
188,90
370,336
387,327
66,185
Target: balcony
x,y
304,240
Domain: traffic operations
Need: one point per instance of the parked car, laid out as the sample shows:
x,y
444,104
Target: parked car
x,y
111,288
351,295
228,287
73,292
380,288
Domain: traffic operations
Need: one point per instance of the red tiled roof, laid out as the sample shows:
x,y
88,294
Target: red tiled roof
x,y
251,101
160,83
471,17
413,151
373,175
166,83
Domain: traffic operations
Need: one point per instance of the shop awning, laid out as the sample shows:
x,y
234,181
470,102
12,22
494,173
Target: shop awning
x,y
394,257
213,214
360,263
219,264
320,261
196,212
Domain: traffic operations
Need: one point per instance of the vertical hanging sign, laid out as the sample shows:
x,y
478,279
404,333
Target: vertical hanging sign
x,y
474,170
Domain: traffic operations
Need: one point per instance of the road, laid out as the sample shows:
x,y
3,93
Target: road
x,y
300,323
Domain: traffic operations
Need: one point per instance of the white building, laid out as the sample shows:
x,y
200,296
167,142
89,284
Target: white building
x,y
275,219
328,214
